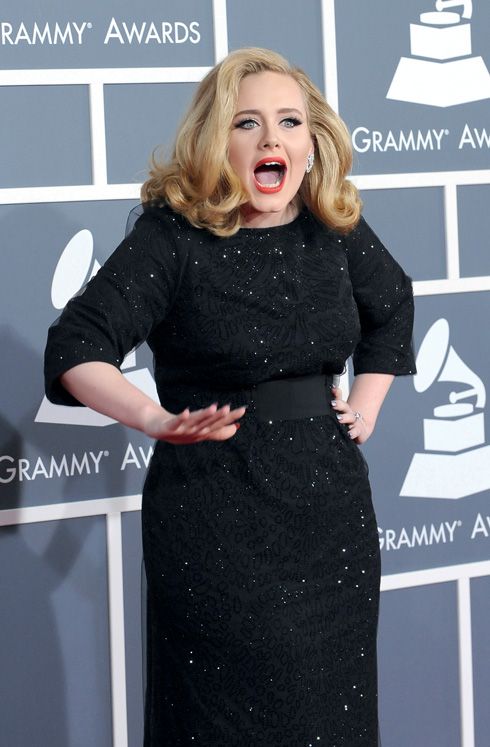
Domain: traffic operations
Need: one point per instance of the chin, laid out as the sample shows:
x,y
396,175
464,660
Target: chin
x,y
260,212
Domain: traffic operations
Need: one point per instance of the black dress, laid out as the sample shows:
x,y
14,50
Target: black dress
x,y
262,551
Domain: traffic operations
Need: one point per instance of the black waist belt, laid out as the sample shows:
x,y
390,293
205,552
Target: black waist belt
x,y
293,399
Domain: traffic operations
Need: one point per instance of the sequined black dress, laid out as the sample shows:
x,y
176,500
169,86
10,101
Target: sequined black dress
x,y
261,552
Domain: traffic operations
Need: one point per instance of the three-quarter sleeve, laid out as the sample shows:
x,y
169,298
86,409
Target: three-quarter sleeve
x,y
384,298
118,308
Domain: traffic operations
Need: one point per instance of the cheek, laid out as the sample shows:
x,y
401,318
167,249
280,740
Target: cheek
x,y
300,160
300,151
235,157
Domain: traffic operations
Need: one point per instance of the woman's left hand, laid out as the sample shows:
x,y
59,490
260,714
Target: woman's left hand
x,y
357,428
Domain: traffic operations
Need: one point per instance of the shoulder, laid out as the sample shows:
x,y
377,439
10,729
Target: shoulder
x,y
317,231
360,237
156,217
159,230
363,237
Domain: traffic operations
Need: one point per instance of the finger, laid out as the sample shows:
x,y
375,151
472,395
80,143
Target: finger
x,y
223,417
354,432
192,437
340,406
222,434
357,426
211,417
200,425
173,424
226,413
199,417
193,421
346,415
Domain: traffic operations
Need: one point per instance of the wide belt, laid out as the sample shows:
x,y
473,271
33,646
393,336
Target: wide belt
x,y
294,398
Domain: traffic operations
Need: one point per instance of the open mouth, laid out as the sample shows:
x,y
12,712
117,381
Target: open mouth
x,y
269,174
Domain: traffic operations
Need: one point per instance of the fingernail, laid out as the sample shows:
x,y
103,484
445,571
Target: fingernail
x,y
351,435
333,403
339,416
237,425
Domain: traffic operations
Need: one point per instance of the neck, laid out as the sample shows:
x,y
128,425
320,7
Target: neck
x,y
256,219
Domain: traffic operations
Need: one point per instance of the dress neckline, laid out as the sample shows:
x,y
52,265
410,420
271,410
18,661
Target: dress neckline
x,y
303,213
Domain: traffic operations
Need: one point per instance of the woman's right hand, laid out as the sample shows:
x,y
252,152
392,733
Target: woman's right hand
x,y
102,387
210,424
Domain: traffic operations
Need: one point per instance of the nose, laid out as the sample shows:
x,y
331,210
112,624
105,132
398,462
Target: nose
x,y
269,137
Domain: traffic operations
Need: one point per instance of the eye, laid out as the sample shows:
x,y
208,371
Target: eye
x,y
246,124
291,122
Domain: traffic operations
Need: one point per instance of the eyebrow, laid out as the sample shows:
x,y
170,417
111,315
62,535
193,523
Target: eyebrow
x,y
286,110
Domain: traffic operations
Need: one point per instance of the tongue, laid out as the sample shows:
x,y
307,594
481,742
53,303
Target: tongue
x,y
268,174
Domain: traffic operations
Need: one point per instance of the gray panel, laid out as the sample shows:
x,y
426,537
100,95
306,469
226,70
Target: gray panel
x,y
474,230
410,222
480,594
158,33
31,452
139,118
418,667
44,136
427,532
55,673
292,29
368,58
134,603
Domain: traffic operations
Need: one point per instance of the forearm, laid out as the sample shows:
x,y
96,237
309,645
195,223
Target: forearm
x,y
366,397
102,387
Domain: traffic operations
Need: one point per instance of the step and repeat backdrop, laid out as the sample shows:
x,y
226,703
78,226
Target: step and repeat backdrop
x,y
86,93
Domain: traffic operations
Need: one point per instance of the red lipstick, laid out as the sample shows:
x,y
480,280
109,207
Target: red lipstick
x,y
270,174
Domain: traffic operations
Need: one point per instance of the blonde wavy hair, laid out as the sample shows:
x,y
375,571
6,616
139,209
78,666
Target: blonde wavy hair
x,y
198,180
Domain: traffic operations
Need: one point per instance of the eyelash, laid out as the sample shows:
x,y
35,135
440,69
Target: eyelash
x,y
242,124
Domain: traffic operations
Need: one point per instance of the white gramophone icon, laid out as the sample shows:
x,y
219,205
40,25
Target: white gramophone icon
x,y
441,71
456,463
73,271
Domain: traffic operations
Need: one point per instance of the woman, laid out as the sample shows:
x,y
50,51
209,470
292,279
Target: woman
x,y
253,279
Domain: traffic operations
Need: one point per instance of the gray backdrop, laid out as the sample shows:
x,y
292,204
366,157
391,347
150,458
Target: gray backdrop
x,y
86,94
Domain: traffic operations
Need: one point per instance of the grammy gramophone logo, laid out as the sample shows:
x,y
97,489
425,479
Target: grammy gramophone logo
x,y
455,462
442,70
76,266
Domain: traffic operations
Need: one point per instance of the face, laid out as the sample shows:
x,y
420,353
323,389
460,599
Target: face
x,y
269,147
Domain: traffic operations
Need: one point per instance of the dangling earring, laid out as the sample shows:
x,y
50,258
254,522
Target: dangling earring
x,y
309,163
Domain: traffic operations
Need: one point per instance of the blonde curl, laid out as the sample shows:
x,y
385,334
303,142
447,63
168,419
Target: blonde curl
x,y
198,180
